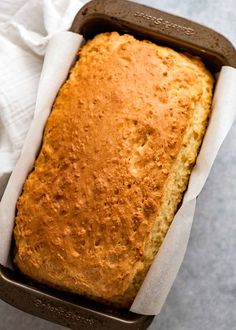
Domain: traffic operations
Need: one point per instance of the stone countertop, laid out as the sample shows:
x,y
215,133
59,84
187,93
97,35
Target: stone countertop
x,y
204,294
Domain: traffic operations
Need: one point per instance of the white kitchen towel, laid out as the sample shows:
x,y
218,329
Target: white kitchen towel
x,y
25,28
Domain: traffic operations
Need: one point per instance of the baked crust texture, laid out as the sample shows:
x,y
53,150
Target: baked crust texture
x,y
117,152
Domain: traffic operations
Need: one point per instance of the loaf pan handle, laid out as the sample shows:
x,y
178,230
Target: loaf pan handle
x,y
64,309
166,28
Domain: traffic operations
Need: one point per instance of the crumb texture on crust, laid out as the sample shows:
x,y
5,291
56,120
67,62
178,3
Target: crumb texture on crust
x,y
117,153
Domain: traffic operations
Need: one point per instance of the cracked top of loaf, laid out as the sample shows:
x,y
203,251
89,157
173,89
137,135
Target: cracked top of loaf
x,y
117,152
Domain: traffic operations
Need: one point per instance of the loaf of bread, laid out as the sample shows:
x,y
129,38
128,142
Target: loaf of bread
x,y
116,156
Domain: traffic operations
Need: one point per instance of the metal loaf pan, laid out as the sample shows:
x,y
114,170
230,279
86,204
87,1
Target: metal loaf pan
x,y
143,22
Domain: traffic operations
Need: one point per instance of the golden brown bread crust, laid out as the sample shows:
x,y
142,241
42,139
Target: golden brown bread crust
x,y
125,127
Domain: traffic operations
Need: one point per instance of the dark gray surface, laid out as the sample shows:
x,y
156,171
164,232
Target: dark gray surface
x,y
204,294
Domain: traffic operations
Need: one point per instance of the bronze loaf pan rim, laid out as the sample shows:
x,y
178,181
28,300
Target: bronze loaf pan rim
x,y
157,26
148,23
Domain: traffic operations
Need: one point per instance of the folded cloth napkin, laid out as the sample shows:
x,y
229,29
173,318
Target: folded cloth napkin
x,y
25,28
